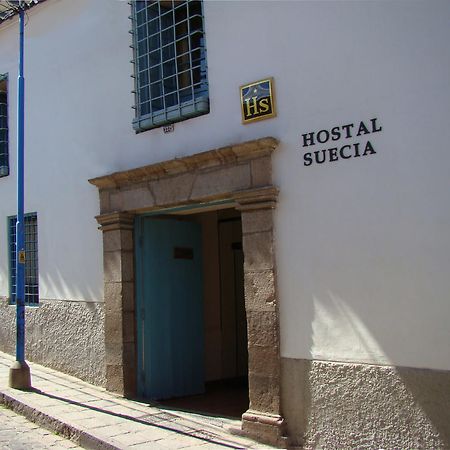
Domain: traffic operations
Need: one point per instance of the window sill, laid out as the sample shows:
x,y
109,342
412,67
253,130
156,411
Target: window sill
x,y
173,114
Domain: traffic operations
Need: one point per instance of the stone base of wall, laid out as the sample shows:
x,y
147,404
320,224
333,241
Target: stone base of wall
x,y
339,405
65,335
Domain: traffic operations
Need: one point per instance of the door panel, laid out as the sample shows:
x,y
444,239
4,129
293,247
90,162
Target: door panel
x,y
234,322
169,308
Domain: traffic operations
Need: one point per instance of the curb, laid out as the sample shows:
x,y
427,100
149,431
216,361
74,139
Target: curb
x,y
78,436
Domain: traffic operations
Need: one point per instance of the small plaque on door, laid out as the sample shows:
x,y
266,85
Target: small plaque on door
x,y
183,253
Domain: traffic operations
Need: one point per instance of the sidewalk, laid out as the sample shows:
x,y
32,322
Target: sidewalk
x,y
94,418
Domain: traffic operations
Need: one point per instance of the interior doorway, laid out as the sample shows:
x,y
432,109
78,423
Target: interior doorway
x,y
191,325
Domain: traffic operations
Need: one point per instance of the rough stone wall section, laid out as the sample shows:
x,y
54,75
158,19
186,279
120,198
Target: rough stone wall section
x,y
343,405
65,335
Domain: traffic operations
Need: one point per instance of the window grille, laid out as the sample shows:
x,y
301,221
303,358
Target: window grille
x,y
4,158
169,62
31,259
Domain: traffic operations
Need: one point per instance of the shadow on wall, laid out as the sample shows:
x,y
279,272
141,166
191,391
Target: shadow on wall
x,y
350,405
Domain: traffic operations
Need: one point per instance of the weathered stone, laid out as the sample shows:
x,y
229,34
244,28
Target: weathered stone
x,y
114,378
226,179
105,203
115,200
172,190
113,329
118,240
128,327
128,301
137,198
264,393
258,251
112,266
265,428
118,266
262,328
260,291
199,161
261,171
113,297
114,353
257,221
129,354
263,360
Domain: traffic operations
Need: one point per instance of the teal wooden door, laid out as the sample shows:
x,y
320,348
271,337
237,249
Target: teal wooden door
x,y
169,308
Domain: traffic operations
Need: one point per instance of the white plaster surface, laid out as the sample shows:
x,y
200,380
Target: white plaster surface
x,y
362,245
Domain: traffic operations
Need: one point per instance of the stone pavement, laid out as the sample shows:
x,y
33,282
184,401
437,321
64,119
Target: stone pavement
x,y
94,418
17,433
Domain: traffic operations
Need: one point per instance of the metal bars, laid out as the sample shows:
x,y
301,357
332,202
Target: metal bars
x,y
170,62
31,259
4,158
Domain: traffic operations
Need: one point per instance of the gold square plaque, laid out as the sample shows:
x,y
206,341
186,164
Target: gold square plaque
x,y
257,101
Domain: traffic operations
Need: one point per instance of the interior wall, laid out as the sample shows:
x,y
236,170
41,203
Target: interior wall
x,y
219,315
211,277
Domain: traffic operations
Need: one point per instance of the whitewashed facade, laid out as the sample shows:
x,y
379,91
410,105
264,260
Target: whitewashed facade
x,y
361,245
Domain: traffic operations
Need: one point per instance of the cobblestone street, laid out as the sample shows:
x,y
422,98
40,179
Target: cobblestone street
x,y
18,433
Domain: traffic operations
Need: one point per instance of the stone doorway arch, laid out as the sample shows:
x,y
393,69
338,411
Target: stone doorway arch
x,y
242,175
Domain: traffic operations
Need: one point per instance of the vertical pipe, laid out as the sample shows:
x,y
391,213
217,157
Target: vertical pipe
x,y
20,239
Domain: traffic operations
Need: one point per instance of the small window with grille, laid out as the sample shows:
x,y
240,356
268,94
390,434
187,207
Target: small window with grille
x,y
169,62
4,157
31,260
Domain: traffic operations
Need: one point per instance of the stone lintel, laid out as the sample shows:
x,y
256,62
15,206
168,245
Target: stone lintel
x,y
213,158
118,220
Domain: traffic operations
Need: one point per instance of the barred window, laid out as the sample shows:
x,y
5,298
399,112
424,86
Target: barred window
x,y
169,62
31,259
4,157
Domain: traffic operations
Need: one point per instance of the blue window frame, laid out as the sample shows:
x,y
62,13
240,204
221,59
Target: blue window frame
x,y
4,157
169,62
31,259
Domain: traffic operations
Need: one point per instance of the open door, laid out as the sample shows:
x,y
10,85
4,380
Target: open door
x,y
169,308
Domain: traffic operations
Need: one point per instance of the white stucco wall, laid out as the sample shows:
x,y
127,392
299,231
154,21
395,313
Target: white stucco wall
x,y
362,246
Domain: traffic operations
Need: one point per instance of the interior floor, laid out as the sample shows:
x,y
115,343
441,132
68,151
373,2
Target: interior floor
x,y
224,398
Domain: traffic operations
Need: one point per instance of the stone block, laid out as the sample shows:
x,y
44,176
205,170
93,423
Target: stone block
x,y
112,266
258,251
128,299
264,393
128,327
113,354
105,203
264,361
113,297
118,266
114,379
172,190
129,355
115,200
260,291
118,240
113,328
265,428
262,329
261,171
137,198
223,180
257,221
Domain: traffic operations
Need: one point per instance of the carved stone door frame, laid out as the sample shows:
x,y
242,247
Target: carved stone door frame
x,y
242,175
